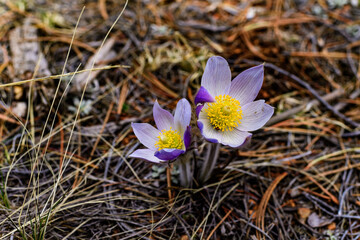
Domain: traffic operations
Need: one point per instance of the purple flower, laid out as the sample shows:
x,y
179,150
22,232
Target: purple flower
x,y
170,139
227,110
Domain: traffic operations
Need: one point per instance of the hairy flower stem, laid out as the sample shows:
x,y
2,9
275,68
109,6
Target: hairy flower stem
x,y
210,161
184,164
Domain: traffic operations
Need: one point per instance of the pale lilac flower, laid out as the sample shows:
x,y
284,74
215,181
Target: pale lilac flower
x,y
170,139
227,110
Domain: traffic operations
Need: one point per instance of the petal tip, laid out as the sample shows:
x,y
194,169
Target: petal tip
x,y
168,154
203,96
246,86
145,154
216,76
182,115
163,118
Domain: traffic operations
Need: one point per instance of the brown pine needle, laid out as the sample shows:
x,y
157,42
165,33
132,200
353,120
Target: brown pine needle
x,y
218,225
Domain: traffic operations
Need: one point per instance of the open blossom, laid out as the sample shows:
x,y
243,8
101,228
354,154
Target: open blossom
x,y
170,139
227,110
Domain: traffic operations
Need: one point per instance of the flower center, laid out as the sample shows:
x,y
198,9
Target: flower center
x,y
225,113
169,139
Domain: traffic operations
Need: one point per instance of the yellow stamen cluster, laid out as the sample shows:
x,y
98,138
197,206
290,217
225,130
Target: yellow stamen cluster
x,y
169,139
225,113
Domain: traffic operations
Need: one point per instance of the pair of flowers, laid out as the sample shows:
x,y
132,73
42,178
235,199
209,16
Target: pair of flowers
x,y
226,111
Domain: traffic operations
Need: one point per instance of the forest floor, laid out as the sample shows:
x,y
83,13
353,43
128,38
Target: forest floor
x,y
65,138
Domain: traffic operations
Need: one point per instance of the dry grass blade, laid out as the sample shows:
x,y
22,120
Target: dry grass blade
x,y
60,76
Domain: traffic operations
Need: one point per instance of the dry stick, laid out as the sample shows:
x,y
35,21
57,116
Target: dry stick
x,y
332,197
306,106
356,165
213,208
260,214
8,119
341,105
218,225
310,89
327,156
353,95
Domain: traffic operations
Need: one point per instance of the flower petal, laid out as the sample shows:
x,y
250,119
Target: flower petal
x,y
208,132
187,137
235,138
246,86
146,134
146,154
163,119
167,154
203,96
217,76
198,109
182,116
255,115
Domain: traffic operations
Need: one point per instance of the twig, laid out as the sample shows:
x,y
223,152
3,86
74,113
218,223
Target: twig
x,y
260,214
304,107
218,225
353,95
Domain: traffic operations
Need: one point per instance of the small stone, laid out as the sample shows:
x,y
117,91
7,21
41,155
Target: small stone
x,y
294,192
316,221
19,109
